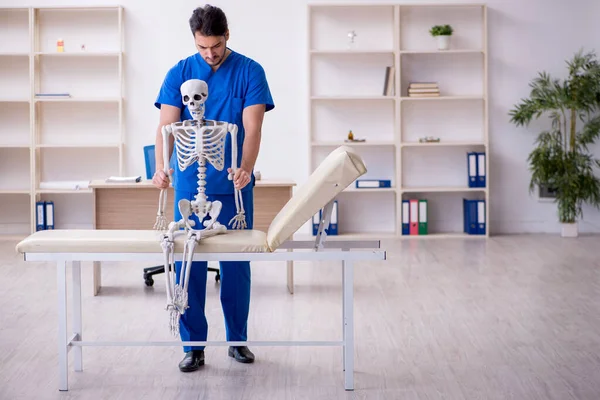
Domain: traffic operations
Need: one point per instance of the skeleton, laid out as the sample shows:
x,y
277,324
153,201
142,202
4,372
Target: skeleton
x,y
195,140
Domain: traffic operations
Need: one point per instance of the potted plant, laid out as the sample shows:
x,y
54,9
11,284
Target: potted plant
x,y
561,160
442,33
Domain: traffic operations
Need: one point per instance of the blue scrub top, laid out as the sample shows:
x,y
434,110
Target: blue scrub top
x,y
239,82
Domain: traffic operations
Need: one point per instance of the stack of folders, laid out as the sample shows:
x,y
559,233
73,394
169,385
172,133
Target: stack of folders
x,y
44,215
423,89
414,217
476,169
333,221
474,217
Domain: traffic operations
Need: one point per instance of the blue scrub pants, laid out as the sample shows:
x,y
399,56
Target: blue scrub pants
x,y
235,279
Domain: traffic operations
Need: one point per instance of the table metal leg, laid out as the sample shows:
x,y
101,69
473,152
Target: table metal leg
x,y
97,277
290,275
61,286
344,315
77,322
348,309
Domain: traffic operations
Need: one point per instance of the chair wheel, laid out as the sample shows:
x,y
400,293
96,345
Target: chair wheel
x,y
148,280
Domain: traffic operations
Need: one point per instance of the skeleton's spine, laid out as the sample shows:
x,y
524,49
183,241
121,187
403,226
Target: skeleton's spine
x,y
201,196
201,181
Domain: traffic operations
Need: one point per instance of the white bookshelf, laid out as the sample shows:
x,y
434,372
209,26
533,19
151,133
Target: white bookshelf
x,y
50,139
346,83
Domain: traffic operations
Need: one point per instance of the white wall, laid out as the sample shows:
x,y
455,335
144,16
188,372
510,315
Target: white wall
x,y
524,37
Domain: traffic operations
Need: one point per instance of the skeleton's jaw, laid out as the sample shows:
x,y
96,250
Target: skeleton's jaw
x,y
197,112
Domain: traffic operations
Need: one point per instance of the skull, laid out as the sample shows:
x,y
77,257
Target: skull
x,y
194,93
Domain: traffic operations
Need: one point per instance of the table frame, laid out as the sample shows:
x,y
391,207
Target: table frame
x,y
346,252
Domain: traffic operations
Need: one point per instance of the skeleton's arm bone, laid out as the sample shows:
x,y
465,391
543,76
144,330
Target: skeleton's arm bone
x,y
161,221
168,115
167,130
232,128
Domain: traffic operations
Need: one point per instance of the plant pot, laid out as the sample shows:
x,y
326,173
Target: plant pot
x,y
569,229
443,42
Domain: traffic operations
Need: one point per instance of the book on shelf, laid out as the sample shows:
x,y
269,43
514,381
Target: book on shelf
x,y
332,230
53,95
124,179
389,82
476,169
414,217
64,185
474,216
423,89
44,217
373,183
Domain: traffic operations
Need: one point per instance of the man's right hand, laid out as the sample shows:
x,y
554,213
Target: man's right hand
x,y
160,179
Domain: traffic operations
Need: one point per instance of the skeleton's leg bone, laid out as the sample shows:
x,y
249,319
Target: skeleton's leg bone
x,y
168,247
193,238
180,298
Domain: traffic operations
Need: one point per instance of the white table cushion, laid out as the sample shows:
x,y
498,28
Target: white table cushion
x,y
136,241
337,171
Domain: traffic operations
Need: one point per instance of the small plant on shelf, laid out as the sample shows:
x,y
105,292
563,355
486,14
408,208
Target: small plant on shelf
x,y
561,159
442,33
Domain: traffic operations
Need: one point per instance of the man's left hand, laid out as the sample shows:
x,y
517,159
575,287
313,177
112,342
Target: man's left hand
x,y
241,178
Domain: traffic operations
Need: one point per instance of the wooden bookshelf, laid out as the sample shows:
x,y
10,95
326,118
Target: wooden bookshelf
x,y
53,138
346,92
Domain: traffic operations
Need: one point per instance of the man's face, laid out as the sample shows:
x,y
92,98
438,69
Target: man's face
x,y
211,48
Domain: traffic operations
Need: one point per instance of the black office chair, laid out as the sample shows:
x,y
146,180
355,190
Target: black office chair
x,y
149,272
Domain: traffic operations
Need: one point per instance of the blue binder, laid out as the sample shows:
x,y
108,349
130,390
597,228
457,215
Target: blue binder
x,y
481,223
49,214
373,183
481,175
470,216
333,221
315,223
472,169
405,217
40,216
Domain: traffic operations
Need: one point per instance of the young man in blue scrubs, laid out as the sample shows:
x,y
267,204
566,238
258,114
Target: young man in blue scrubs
x,y
238,93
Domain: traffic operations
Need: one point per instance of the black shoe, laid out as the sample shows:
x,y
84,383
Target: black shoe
x,y
241,354
192,361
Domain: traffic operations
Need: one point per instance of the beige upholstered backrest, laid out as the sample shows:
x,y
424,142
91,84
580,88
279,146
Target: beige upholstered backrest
x,y
339,169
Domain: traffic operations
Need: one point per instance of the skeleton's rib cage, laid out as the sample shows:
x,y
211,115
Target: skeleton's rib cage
x,y
211,141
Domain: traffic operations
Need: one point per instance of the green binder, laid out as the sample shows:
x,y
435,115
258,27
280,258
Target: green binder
x,y
422,217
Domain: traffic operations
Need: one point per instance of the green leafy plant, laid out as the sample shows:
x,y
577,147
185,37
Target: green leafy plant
x,y
561,159
438,30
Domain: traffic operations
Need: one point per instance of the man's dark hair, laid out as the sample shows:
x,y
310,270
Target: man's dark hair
x,y
208,21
